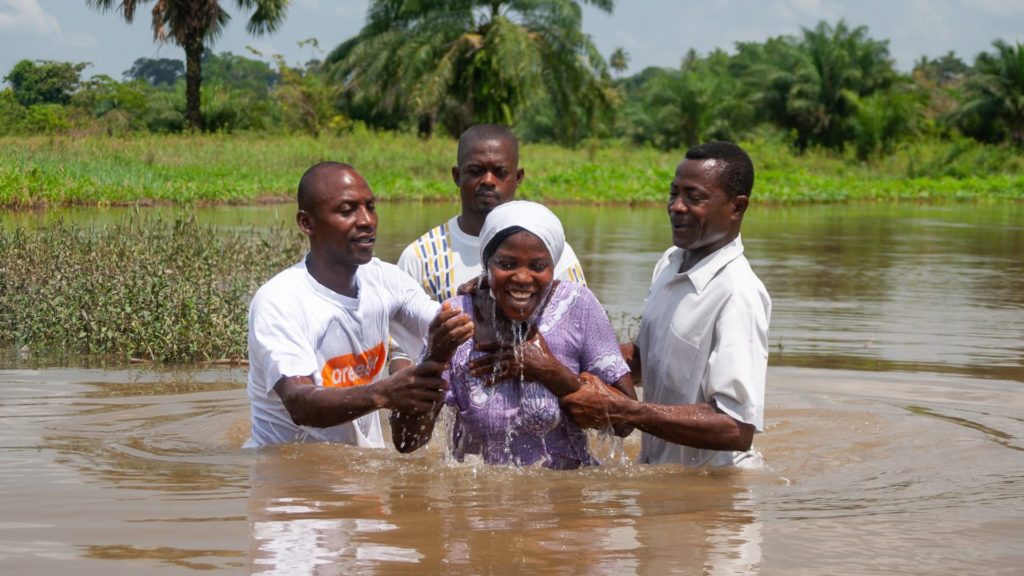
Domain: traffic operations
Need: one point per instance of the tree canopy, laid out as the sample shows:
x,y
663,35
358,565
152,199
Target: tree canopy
x,y
619,60
447,64
194,25
995,95
461,62
45,81
156,71
810,84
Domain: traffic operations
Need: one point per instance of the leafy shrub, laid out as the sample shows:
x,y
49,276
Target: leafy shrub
x,y
167,291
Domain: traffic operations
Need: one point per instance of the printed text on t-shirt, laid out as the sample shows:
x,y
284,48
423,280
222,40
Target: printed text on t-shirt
x,y
353,369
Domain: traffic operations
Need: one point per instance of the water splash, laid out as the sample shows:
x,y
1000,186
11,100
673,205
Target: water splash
x,y
607,448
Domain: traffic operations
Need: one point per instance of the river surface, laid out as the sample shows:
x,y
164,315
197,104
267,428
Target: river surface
x,y
894,432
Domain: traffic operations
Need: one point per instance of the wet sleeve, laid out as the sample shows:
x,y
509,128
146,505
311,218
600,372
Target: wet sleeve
x,y
600,353
738,363
449,395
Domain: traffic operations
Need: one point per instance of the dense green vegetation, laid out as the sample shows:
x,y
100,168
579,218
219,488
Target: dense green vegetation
x,y
49,170
435,68
463,62
144,288
825,113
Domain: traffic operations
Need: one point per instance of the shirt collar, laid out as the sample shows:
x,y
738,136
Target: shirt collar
x,y
329,294
704,271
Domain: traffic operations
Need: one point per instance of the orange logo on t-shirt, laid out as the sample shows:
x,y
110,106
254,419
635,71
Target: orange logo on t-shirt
x,y
353,369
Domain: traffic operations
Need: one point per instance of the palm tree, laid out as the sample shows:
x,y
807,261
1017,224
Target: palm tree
x,y
995,93
811,84
698,102
460,62
767,71
839,66
619,61
193,24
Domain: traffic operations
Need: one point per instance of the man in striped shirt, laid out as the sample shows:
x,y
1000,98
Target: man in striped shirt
x,y
487,175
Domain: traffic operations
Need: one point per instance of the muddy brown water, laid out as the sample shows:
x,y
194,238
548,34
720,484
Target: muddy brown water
x,y
894,440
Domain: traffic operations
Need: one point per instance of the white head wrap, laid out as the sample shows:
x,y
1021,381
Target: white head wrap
x,y
529,216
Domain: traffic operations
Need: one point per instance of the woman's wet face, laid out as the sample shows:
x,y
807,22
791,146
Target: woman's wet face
x,y
519,273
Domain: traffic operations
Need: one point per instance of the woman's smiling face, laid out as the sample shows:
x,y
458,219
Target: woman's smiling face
x,y
519,273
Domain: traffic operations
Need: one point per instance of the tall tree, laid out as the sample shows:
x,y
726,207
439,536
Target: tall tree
x,y
619,60
840,64
156,71
768,73
994,109
44,81
193,25
460,62
811,84
698,102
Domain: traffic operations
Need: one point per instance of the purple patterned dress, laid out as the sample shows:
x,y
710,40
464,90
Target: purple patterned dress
x,y
521,423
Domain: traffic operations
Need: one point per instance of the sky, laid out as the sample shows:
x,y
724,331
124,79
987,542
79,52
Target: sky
x,y
653,32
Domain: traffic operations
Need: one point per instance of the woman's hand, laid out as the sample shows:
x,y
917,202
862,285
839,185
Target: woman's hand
x,y
532,360
449,329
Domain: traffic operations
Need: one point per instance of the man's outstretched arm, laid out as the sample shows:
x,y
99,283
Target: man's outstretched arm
x,y
695,425
312,405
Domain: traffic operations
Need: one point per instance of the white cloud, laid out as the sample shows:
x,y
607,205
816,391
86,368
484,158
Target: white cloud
x,y
27,31
27,16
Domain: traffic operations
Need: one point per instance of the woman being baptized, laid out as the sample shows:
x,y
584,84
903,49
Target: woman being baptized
x,y
534,339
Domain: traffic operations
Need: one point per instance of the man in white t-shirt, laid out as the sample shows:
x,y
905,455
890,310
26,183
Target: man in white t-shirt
x,y
702,349
487,174
319,330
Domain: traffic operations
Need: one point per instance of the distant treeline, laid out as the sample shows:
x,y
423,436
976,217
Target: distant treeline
x,y
831,87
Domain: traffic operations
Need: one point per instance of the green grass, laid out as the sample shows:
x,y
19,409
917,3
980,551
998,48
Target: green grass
x,y
242,168
144,288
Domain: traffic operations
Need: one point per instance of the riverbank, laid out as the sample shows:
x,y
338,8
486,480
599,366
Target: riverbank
x,y
41,171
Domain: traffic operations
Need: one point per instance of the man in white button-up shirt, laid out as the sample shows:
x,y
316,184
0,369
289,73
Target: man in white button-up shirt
x,y
702,349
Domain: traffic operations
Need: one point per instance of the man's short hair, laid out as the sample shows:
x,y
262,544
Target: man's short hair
x,y
481,132
737,176
310,179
